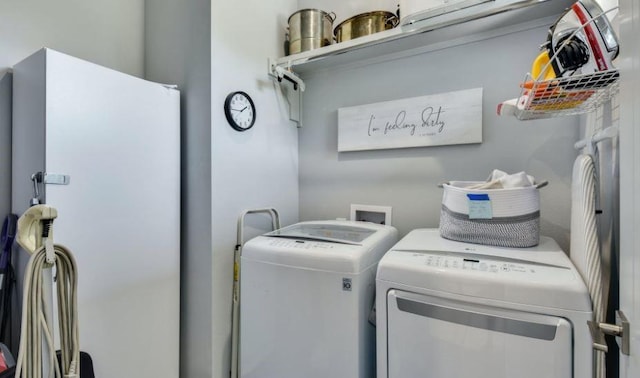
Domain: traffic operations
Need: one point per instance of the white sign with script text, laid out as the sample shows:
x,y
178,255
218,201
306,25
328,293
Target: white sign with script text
x,y
434,120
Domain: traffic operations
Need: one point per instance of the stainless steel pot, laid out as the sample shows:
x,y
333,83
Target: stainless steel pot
x,y
310,29
365,24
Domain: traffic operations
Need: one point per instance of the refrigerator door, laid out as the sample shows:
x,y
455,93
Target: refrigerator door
x,y
117,138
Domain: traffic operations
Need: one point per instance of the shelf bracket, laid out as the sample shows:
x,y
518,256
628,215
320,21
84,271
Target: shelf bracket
x,y
294,98
621,330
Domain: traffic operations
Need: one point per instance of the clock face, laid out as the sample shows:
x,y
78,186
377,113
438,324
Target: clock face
x,y
240,111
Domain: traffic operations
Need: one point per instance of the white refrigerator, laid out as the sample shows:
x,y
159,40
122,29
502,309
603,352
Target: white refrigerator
x,y
116,139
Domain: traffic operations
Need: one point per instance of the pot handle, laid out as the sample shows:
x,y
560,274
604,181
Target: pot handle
x,y
332,16
392,20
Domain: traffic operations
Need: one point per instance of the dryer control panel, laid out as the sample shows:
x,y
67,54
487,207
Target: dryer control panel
x,y
470,263
478,264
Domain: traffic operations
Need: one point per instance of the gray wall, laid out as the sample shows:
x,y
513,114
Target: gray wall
x,y
106,32
251,169
406,179
178,51
209,50
5,144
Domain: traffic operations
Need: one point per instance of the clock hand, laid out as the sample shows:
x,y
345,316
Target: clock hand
x,y
243,109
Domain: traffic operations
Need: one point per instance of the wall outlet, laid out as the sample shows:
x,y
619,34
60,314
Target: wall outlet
x,y
370,213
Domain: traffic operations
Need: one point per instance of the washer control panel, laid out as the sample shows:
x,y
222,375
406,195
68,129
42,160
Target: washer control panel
x,y
302,244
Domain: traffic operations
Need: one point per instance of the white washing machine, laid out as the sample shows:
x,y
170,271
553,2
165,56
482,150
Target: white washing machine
x,y
455,310
306,293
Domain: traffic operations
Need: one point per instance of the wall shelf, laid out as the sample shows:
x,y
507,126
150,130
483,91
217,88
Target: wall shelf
x,y
488,19
566,96
480,18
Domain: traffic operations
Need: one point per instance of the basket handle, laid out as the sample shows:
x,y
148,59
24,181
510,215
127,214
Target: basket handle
x,y
542,184
538,186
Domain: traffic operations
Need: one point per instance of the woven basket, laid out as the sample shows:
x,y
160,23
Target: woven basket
x,y
510,218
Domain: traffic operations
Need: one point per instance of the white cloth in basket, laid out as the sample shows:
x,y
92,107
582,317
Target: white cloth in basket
x,y
502,180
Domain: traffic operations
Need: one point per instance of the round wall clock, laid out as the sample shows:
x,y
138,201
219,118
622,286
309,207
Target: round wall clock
x,y
240,111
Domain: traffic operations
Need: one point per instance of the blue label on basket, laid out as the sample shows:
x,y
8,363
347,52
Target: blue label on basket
x,y
479,206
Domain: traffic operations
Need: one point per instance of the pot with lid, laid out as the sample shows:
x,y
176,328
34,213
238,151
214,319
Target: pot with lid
x,y
309,29
365,24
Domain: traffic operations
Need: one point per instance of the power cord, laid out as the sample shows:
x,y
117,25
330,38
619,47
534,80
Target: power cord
x,y
35,235
36,328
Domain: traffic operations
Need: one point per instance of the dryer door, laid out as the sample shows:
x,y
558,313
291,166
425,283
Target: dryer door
x,y
440,338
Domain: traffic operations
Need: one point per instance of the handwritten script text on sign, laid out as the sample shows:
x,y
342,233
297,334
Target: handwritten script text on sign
x,y
441,119
428,123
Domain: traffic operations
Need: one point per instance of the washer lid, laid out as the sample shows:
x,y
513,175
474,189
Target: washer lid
x,y
540,276
336,246
330,232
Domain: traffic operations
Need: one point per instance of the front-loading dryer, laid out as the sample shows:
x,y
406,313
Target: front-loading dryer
x,y
448,309
306,294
